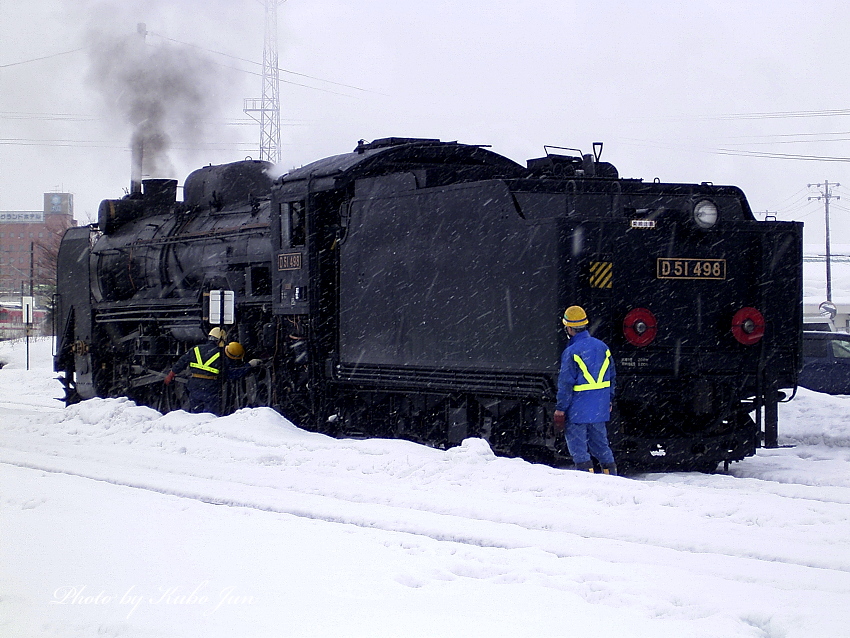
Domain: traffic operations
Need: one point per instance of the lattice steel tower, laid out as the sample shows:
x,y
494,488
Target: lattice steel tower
x,y
266,110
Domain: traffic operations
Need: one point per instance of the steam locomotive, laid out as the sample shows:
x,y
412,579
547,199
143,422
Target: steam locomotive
x,y
413,288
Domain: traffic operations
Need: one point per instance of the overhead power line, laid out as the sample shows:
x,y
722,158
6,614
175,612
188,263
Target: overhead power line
x,y
802,192
784,156
81,117
48,117
798,141
260,64
44,57
764,135
733,151
800,203
233,57
771,115
19,141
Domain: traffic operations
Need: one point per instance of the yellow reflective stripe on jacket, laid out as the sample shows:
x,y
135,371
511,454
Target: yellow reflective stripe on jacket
x,y
204,365
593,384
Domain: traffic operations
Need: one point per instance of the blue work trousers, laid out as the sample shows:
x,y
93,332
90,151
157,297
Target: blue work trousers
x,y
204,395
584,439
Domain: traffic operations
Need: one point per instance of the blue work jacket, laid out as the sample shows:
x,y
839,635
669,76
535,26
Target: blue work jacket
x,y
585,397
211,365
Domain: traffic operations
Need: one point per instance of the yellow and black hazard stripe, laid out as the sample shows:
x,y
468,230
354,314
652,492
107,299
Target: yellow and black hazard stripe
x,y
600,274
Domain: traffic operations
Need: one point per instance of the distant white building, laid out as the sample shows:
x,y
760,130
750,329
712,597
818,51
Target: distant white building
x,y
814,285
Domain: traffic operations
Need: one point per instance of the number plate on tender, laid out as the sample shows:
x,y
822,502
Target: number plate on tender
x,y
289,261
688,268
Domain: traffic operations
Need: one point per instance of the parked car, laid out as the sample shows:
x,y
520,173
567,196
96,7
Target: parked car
x,y
826,362
821,324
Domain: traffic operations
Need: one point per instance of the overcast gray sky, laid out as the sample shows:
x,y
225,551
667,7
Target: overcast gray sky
x,y
747,93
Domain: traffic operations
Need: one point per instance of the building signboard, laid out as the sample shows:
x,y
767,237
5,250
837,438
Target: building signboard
x,y
18,217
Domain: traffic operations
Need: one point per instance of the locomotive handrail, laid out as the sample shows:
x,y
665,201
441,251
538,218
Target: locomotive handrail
x,y
248,229
256,229
150,303
546,148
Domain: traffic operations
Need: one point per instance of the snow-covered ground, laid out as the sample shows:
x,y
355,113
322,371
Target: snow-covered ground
x,y
118,521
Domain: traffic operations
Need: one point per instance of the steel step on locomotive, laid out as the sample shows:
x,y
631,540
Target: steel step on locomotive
x,y
414,288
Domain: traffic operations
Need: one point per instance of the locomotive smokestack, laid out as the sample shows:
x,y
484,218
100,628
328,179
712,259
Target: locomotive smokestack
x,y
137,157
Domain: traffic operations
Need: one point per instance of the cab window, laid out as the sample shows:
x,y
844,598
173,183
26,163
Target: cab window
x,y
293,224
841,349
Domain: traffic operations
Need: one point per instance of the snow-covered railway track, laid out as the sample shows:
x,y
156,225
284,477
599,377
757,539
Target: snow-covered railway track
x,y
577,525
27,407
827,493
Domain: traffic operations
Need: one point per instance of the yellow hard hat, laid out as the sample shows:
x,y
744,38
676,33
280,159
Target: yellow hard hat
x,y
234,350
218,333
574,317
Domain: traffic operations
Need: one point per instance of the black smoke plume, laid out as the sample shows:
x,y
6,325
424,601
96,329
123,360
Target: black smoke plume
x,y
166,93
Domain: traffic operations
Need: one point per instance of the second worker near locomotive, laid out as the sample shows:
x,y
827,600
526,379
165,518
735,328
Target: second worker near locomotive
x,y
585,392
211,363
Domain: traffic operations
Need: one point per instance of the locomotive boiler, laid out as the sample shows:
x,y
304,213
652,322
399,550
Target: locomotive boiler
x,y
414,288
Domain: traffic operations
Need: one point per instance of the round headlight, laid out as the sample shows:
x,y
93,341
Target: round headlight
x,y
705,214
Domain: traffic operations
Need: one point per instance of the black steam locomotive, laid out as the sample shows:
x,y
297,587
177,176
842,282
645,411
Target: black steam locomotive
x,y
414,288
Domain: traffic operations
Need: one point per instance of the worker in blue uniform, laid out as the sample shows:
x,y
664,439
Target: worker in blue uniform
x,y
210,364
585,392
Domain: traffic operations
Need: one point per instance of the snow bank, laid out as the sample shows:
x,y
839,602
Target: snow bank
x,y
383,537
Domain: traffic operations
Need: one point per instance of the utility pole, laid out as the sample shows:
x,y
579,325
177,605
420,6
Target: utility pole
x,y
266,110
826,195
